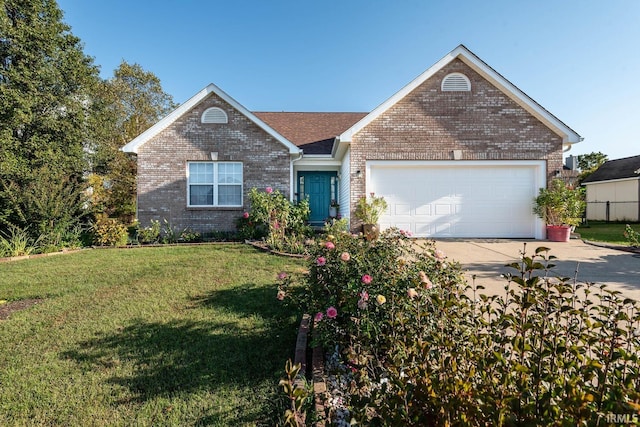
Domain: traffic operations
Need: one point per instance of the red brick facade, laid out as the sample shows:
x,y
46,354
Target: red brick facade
x,y
428,124
162,166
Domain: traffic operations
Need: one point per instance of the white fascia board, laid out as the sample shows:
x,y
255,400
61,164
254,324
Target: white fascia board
x,y
569,136
317,161
136,143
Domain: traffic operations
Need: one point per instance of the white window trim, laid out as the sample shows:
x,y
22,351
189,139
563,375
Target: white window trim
x,y
215,186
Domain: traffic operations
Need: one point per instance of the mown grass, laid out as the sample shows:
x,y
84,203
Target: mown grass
x,y
608,232
168,336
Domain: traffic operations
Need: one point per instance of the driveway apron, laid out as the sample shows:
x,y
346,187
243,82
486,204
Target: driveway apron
x,y
486,259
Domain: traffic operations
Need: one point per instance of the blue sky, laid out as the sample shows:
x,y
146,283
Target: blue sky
x,y
578,59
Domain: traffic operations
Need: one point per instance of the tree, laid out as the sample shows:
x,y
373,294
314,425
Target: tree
x,y
127,105
589,163
46,82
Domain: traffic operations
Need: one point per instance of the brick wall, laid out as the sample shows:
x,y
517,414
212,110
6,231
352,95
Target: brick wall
x,y
428,124
162,165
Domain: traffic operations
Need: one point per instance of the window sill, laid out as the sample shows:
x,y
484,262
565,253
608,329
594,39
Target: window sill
x,y
215,208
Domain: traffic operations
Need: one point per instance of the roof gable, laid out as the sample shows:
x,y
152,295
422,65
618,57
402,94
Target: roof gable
x,y
628,167
569,136
144,137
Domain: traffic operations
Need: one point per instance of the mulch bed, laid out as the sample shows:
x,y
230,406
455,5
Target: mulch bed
x,y
7,309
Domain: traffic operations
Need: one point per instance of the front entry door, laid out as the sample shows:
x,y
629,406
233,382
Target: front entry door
x,y
318,188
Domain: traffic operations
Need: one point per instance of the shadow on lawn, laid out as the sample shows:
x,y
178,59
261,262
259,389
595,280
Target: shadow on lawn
x,y
183,356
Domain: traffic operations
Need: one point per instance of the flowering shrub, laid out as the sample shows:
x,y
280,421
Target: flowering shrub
x,y
273,217
422,347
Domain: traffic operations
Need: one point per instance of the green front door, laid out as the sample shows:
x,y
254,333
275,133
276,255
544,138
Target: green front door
x,y
319,188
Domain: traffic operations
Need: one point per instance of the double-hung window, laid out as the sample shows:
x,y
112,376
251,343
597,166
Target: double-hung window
x,y
214,184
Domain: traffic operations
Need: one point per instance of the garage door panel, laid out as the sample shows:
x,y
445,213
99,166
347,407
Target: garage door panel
x,y
458,201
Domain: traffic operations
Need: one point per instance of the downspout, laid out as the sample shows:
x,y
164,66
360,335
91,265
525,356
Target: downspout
x,y
292,182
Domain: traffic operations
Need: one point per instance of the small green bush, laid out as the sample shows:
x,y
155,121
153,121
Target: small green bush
x,y
109,232
632,236
16,242
150,234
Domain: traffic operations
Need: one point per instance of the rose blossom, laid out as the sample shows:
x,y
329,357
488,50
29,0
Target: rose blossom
x,y
329,245
269,190
332,312
280,295
380,299
282,275
364,295
426,282
366,279
318,317
345,256
321,261
245,215
362,304
440,255
412,293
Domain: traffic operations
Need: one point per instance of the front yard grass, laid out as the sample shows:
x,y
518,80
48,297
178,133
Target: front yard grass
x,y
608,232
168,336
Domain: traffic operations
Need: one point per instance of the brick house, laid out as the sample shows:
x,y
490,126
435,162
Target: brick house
x,y
458,152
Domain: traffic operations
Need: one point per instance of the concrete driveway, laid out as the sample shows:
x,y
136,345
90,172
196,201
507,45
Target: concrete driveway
x,y
486,258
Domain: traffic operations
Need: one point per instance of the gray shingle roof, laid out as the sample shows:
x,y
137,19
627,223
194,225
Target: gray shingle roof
x,y
628,167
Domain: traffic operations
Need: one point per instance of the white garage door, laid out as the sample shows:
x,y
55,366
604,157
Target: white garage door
x,y
459,199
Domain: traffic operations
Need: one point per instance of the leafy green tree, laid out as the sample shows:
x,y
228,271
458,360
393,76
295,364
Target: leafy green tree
x,y
589,163
127,105
46,82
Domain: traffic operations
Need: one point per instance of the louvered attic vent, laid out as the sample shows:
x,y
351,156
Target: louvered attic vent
x,y
214,115
456,82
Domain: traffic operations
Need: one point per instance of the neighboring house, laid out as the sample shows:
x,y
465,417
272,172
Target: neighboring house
x,y
613,191
458,152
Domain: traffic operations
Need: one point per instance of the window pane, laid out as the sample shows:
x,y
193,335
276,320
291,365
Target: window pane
x,y
230,195
201,173
230,173
201,195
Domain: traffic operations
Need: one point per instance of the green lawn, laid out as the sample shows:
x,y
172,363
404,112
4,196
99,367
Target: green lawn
x,y
600,231
148,337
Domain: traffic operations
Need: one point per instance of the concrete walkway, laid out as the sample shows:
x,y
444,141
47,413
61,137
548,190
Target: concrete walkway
x,y
486,258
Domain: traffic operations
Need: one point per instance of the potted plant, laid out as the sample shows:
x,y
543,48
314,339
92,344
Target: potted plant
x,y
333,209
368,210
561,207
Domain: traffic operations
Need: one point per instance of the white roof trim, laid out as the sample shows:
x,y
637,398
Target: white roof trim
x,y
608,181
569,136
144,137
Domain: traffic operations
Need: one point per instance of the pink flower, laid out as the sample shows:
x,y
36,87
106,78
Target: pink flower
x,y
281,295
364,296
245,215
345,256
426,282
362,304
269,190
412,293
321,261
282,275
329,245
366,279
332,313
440,255
318,317
276,225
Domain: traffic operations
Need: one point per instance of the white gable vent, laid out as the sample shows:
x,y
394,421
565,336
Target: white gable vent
x,y
456,82
214,115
